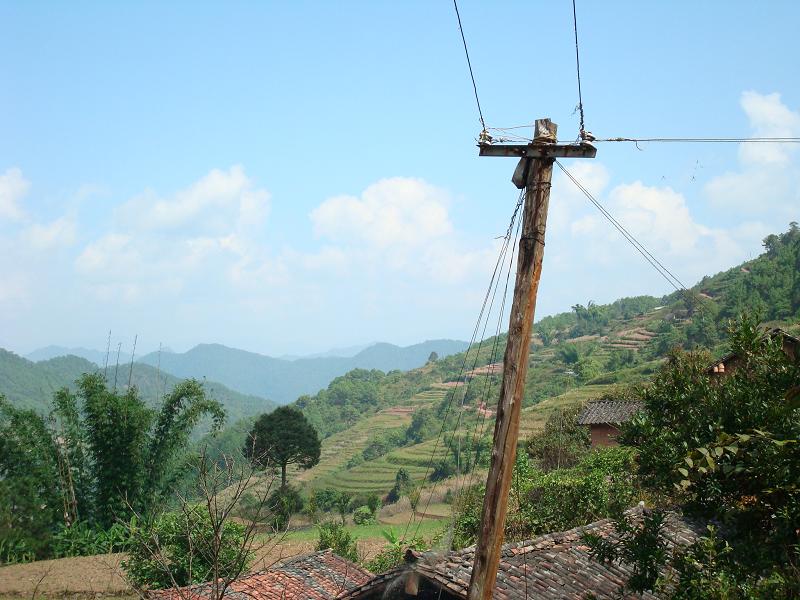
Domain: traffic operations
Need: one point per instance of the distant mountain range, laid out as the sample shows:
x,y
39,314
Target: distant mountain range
x,y
31,384
284,380
95,356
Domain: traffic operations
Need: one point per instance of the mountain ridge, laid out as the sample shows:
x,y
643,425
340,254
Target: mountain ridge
x,y
286,380
29,384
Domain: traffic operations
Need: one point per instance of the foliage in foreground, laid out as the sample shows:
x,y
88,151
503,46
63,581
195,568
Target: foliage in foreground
x,y
101,456
394,552
183,548
562,443
599,486
727,447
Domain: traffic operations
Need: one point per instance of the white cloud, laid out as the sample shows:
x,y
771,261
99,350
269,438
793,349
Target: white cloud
x,y
567,199
659,215
13,187
208,204
397,211
45,236
768,117
113,251
206,235
768,178
398,224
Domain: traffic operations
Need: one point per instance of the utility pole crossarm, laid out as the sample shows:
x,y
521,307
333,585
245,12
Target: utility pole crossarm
x,y
537,150
534,173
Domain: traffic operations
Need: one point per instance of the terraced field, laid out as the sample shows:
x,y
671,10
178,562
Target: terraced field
x,y
341,447
376,475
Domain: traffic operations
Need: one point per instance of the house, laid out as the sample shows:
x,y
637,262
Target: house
x,y
789,343
604,417
556,565
317,576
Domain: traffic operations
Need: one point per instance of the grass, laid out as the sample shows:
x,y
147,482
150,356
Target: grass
x,y
428,528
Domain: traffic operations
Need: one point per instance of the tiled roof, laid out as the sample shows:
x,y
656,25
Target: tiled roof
x,y
608,411
318,576
788,341
552,566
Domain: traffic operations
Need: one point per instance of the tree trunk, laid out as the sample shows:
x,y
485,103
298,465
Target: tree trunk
x,y
283,475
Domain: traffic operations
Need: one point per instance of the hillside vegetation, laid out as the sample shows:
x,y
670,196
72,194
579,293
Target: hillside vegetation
x,y
575,356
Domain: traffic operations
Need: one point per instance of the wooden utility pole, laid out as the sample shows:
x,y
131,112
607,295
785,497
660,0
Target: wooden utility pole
x,y
534,172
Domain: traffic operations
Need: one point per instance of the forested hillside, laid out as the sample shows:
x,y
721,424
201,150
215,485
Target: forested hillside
x,y
285,380
28,384
574,356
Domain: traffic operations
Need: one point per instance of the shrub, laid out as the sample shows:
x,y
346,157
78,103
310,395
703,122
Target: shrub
x,y
562,443
443,469
15,551
182,546
394,551
363,515
374,503
600,486
402,482
333,535
283,503
80,539
326,499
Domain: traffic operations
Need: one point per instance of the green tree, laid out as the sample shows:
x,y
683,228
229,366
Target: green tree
x,y
402,482
100,456
30,496
134,452
281,438
729,444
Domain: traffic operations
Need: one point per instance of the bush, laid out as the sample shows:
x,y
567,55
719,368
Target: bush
x,y
374,503
363,515
442,469
600,486
402,482
383,443
562,443
333,535
182,547
283,503
393,554
15,551
326,499
80,539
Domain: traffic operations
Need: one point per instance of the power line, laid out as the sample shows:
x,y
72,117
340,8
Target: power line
x,y
578,68
506,135
640,248
671,278
493,356
687,140
492,284
469,64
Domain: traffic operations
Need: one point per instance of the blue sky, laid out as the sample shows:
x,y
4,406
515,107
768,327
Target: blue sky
x,y
289,177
